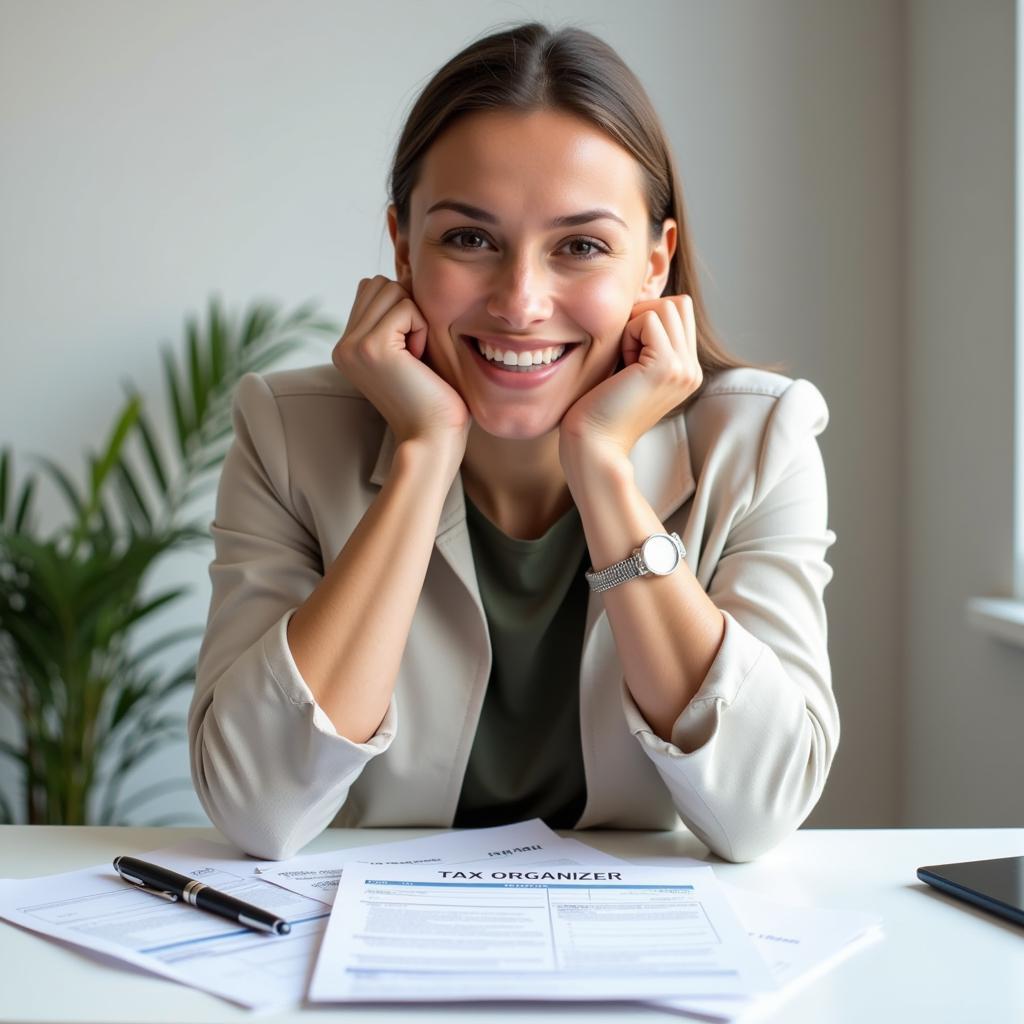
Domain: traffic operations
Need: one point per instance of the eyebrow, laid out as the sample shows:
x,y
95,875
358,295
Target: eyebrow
x,y
570,220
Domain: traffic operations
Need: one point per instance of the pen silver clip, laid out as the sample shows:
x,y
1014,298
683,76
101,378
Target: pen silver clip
x,y
171,897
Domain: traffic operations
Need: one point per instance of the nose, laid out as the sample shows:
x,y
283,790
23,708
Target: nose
x,y
519,294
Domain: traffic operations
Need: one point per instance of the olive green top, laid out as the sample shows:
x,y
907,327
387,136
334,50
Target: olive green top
x,y
527,760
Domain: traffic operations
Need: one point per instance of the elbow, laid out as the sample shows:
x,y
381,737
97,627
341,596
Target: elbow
x,y
760,832
263,843
750,812
752,844
244,816
251,826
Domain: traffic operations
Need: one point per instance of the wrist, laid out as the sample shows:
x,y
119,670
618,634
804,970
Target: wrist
x,y
588,465
441,452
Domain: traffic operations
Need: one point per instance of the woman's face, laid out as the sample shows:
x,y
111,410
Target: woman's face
x,y
505,272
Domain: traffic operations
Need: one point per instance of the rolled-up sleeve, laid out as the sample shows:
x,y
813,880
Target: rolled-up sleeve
x,y
268,765
750,753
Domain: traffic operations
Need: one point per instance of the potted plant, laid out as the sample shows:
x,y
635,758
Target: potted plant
x,y
90,705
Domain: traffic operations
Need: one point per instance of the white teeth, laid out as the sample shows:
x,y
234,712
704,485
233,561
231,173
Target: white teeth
x,y
520,359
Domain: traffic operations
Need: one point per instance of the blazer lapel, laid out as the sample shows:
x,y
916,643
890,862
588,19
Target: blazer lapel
x,y
662,468
452,539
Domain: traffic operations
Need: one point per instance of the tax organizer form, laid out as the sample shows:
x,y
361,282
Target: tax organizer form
x,y
506,932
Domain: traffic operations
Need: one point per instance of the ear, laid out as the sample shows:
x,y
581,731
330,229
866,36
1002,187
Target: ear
x,y
659,262
403,271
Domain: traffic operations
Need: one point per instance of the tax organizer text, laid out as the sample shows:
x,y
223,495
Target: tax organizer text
x,y
544,876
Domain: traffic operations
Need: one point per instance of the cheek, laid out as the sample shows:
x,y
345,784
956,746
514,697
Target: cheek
x,y
601,306
443,295
442,292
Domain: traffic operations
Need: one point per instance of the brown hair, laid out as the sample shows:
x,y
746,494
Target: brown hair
x,y
530,67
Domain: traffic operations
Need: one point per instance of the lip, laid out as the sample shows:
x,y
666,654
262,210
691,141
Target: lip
x,y
517,381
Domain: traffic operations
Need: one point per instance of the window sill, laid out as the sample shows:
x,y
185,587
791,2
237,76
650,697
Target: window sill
x,y
1001,617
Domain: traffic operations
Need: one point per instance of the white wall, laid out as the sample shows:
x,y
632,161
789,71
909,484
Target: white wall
x,y
153,154
965,691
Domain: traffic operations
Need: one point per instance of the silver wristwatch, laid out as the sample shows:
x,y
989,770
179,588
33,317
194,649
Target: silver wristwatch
x,y
660,555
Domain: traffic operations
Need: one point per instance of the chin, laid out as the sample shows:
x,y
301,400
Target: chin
x,y
512,427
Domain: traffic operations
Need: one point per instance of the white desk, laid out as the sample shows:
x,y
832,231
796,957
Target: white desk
x,y
940,960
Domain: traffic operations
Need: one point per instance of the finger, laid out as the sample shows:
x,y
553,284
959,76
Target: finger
x,y
675,326
643,305
356,327
686,339
645,331
694,371
384,294
631,342
683,304
690,319
416,329
403,325
366,291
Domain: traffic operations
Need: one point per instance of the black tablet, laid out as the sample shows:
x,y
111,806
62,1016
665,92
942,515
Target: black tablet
x,y
994,885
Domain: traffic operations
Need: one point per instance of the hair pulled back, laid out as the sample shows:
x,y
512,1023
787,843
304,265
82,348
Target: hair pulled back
x,y
531,67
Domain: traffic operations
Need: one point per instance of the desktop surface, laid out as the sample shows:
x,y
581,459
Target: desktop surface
x,y
940,959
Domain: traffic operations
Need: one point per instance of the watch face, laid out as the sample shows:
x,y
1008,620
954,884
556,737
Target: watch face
x,y
660,554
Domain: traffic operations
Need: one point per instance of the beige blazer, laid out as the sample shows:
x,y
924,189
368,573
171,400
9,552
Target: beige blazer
x,y
739,476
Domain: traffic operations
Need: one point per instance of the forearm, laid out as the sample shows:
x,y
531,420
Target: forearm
x,y
667,630
348,637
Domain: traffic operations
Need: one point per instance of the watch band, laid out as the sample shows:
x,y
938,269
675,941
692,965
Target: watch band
x,y
634,566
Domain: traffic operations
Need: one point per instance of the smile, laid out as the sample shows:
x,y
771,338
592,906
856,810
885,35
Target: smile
x,y
509,360
498,366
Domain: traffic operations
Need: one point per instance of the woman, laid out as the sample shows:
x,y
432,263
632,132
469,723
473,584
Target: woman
x,y
427,607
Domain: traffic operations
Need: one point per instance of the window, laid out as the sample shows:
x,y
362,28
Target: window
x,y
1004,617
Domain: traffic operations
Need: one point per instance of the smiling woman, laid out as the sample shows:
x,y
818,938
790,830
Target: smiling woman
x,y
532,507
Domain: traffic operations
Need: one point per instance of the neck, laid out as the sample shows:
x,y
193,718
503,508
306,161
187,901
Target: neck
x,y
518,485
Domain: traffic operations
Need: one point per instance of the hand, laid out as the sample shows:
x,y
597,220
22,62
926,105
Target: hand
x,y
659,350
381,353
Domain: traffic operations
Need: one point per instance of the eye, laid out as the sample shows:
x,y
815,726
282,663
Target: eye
x,y
597,248
449,239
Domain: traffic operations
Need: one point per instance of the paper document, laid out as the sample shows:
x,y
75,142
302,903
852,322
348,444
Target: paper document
x,y
511,931
800,944
95,908
317,874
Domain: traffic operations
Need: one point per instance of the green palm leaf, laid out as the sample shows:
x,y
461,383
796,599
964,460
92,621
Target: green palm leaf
x,y
5,462
91,705
102,466
17,521
21,517
155,461
65,485
132,501
174,396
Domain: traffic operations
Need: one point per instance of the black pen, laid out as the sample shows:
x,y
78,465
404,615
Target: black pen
x,y
172,886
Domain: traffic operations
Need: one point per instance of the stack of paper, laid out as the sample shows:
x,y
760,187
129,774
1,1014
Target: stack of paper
x,y
509,931
514,912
